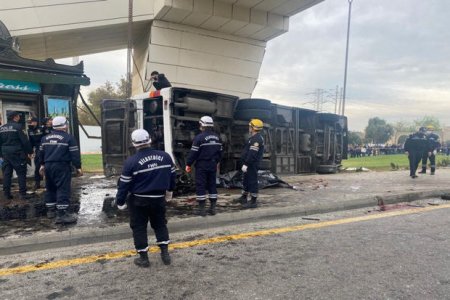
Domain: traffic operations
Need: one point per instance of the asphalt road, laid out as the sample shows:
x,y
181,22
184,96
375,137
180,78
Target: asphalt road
x,y
401,254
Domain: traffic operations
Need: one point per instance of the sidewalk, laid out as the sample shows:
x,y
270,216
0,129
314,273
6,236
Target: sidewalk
x,y
314,194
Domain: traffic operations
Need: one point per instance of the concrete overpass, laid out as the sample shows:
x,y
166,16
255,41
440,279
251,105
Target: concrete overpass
x,y
215,45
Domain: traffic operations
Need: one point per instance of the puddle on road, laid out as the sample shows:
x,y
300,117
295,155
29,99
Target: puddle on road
x,y
88,193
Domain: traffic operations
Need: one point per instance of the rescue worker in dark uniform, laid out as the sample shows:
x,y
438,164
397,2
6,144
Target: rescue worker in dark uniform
x,y
47,125
14,150
35,135
414,147
430,153
149,177
160,81
58,152
251,157
206,152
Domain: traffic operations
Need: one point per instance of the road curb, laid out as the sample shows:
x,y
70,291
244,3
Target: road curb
x,y
80,236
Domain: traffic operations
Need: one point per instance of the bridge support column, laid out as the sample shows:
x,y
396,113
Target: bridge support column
x,y
198,58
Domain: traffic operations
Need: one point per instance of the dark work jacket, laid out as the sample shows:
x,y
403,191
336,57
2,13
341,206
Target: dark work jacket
x,y
13,139
433,141
205,147
416,142
162,82
253,150
148,174
35,135
59,146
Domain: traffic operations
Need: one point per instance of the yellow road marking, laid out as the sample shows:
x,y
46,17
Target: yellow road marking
x,y
214,240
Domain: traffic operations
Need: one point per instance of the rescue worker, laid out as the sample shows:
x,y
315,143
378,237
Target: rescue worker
x,y
47,126
430,152
149,177
14,150
160,81
414,147
206,152
251,157
35,135
57,152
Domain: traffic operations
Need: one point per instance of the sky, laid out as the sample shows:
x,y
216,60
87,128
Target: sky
x,y
399,60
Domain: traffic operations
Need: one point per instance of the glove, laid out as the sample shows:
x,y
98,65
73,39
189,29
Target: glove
x,y
122,207
169,196
188,169
429,153
244,168
434,152
42,171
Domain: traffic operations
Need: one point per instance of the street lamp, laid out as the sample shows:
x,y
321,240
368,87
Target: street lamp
x,y
346,55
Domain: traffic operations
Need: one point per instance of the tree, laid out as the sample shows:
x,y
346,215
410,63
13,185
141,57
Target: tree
x,y
403,126
378,131
354,138
95,97
428,121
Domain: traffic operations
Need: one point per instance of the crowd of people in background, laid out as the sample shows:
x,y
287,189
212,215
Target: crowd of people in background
x,y
367,150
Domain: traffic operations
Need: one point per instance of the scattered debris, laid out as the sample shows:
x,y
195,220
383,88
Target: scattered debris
x,y
265,179
310,219
445,196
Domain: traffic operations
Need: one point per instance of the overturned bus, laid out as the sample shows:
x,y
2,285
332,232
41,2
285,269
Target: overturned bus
x,y
297,140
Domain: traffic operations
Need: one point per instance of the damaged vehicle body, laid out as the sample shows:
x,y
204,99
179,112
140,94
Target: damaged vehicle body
x,y
297,140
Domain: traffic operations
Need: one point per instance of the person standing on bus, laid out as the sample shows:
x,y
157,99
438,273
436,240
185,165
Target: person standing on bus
x,y
251,157
206,152
160,81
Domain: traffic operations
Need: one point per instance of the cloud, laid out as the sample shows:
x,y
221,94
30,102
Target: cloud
x,y
398,60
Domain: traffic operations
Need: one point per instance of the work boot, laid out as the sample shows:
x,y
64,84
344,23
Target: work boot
x,y
142,261
432,173
201,211
165,256
242,199
212,207
424,171
63,217
251,204
51,212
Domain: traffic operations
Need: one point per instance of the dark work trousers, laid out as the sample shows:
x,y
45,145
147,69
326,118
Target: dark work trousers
x,y
37,165
142,210
205,179
57,184
14,162
432,162
414,160
250,181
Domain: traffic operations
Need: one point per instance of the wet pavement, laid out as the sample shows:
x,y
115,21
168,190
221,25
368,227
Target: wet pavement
x,y
90,190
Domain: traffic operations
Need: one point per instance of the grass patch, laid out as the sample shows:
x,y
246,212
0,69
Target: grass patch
x,y
383,162
92,163
377,163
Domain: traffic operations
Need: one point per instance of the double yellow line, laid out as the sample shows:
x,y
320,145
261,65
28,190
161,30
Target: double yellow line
x,y
214,240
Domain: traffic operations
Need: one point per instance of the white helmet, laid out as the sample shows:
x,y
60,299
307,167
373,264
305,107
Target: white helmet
x,y
140,137
59,122
206,121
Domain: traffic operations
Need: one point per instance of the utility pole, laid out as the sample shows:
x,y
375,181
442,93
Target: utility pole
x,y
346,55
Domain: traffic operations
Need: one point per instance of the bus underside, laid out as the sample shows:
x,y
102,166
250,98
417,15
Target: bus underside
x,y
297,140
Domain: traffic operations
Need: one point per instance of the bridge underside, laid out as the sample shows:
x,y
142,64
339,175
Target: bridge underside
x,y
215,45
